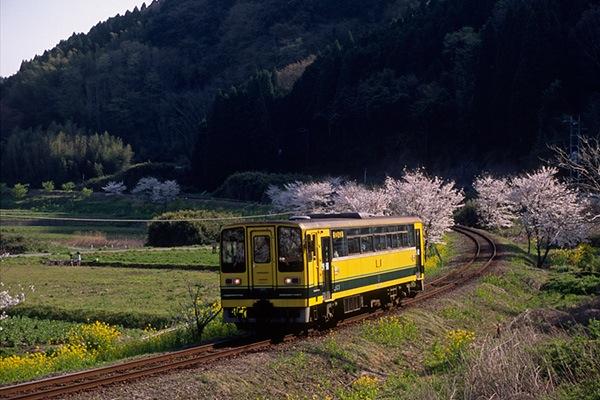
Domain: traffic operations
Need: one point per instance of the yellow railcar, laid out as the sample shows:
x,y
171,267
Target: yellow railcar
x,y
318,268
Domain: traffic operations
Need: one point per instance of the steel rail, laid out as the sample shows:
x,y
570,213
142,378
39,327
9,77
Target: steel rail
x,y
451,274
79,381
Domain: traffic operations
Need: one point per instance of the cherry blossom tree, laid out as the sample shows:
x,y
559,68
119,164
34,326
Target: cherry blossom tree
x,y
8,300
352,197
552,213
304,197
165,192
156,191
113,187
145,187
430,198
494,204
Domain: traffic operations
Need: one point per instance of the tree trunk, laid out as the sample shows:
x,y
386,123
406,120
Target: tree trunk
x,y
437,253
546,251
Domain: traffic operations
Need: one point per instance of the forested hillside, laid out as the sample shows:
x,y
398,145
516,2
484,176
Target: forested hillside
x,y
321,86
149,76
471,84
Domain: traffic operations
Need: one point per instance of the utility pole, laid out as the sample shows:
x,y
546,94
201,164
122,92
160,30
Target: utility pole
x,y
574,141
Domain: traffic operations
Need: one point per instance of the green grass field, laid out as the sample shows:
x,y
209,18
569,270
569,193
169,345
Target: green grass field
x,y
105,206
126,296
164,257
38,235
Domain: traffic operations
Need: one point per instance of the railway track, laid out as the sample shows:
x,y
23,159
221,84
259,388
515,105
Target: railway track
x,y
485,252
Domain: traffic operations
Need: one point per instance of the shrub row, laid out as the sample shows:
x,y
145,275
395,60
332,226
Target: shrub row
x,y
117,264
571,283
168,229
125,319
17,244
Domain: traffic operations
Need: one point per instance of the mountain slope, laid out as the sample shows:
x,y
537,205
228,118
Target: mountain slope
x,y
456,84
150,75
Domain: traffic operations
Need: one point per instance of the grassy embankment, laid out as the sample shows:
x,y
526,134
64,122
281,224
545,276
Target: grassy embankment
x,y
521,332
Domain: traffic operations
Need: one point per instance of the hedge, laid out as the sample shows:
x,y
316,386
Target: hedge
x,y
139,320
117,264
167,231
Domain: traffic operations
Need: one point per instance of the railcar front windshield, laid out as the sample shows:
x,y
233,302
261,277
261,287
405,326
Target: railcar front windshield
x,y
233,250
289,249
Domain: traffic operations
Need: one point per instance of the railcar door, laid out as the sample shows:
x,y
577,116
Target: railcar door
x,y
262,257
326,266
418,255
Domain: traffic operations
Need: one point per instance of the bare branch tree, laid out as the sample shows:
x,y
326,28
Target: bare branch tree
x,y
196,312
585,164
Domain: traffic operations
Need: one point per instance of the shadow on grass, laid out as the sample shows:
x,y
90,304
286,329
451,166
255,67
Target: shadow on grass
x,y
510,251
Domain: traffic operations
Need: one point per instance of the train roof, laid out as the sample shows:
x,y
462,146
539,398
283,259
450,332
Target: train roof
x,y
347,220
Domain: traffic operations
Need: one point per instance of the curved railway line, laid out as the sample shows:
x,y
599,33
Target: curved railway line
x,y
484,254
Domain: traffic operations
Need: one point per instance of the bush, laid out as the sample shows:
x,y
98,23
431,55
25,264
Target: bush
x,y
166,230
390,331
48,186
584,257
86,192
569,283
446,354
68,186
19,191
16,244
98,337
571,359
251,186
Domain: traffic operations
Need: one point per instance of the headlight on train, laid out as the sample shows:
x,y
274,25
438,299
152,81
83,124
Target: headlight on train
x,y
237,281
290,281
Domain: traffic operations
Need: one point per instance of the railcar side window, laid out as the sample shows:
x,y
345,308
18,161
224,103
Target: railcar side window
x,y
233,252
354,245
379,243
395,240
411,236
262,249
310,247
404,239
366,244
289,249
340,244
365,240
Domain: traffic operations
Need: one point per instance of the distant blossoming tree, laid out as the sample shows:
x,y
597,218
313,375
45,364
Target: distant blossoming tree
x,y
305,197
494,204
165,192
352,197
145,187
113,187
552,214
429,198
156,191
8,300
